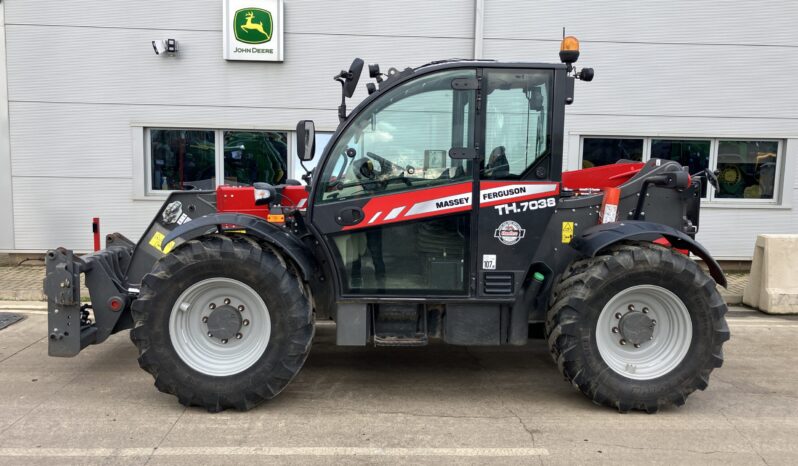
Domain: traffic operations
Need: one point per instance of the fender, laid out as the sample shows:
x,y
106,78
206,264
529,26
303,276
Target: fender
x,y
598,237
255,226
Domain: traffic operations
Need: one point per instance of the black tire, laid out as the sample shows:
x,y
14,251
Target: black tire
x,y
241,259
581,294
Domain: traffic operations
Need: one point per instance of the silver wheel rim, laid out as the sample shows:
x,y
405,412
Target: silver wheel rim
x,y
211,355
662,351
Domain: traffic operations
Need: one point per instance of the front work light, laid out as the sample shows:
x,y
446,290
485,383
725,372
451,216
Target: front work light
x,y
569,49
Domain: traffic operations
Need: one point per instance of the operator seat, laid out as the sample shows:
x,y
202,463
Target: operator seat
x,y
497,166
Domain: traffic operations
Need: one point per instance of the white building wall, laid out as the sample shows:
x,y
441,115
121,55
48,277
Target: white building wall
x,y
6,192
678,68
83,74
82,77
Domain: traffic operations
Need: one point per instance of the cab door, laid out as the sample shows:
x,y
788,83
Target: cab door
x,y
394,209
518,192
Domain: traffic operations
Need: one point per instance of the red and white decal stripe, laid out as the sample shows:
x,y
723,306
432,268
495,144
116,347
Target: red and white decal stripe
x,y
501,192
412,205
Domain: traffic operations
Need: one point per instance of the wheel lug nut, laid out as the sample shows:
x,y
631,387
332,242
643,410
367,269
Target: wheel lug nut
x,y
615,330
238,336
623,342
637,345
224,341
204,320
212,305
210,334
241,308
245,322
651,337
653,322
618,315
645,310
631,307
227,300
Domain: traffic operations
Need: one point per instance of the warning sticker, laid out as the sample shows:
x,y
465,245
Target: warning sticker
x,y
567,232
157,240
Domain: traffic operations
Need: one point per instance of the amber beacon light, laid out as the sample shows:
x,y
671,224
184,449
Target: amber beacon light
x,y
569,49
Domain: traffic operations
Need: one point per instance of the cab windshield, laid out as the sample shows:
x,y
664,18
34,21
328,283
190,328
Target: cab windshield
x,y
402,140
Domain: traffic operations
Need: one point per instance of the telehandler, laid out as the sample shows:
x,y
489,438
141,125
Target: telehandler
x,y
438,210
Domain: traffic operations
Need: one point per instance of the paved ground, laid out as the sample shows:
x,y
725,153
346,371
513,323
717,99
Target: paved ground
x,y
364,405
24,283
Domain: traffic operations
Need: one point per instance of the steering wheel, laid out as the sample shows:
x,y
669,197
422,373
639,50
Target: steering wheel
x,y
386,166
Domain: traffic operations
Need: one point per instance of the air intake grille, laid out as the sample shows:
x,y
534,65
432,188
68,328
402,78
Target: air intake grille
x,y
498,283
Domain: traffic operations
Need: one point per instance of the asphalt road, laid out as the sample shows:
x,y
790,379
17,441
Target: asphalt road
x,y
436,404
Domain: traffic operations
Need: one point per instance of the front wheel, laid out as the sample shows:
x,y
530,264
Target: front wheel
x,y
222,323
637,327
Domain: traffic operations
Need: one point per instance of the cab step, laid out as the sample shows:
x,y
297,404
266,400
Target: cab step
x,y
399,325
398,340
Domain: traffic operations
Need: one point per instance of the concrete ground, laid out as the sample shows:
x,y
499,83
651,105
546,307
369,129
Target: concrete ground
x,y
440,404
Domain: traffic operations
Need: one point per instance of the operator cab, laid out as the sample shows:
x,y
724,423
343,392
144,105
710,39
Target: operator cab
x,y
423,164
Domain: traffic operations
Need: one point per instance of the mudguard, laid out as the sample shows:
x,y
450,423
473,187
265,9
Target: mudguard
x,y
598,237
255,226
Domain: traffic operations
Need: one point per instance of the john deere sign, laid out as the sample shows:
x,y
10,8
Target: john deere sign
x,y
253,25
253,30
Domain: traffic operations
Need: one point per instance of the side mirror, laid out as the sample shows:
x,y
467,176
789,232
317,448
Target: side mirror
x,y
354,76
306,140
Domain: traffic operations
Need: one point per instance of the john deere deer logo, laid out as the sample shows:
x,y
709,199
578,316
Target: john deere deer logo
x,y
253,25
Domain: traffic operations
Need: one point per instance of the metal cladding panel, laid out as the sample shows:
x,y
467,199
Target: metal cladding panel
x,y
677,21
124,68
94,140
50,212
677,80
442,18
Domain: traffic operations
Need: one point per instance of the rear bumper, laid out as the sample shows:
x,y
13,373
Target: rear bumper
x,y
70,324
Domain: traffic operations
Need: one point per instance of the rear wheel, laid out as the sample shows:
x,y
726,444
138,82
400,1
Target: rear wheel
x,y
637,327
222,323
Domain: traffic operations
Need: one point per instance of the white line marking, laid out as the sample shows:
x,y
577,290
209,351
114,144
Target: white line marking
x,y
26,311
394,213
375,217
268,451
764,326
759,320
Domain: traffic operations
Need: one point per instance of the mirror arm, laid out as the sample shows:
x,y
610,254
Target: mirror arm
x,y
342,107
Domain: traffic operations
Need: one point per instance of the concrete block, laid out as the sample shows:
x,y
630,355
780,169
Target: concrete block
x,y
773,284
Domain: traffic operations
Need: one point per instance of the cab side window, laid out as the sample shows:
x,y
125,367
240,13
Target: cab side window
x,y
403,140
517,121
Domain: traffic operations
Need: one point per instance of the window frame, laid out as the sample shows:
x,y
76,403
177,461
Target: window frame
x,y
142,154
711,200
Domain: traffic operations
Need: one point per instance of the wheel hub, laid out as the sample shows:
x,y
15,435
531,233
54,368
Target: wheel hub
x,y
636,327
224,322
644,332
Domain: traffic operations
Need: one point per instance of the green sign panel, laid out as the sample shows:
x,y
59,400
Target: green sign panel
x,y
253,25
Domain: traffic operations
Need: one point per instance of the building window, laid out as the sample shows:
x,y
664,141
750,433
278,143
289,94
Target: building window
x,y
747,169
606,151
251,156
187,159
182,159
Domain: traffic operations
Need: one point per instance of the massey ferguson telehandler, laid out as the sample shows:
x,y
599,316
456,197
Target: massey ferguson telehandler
x,y
438,210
